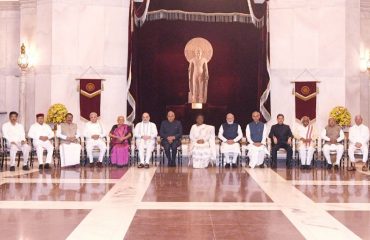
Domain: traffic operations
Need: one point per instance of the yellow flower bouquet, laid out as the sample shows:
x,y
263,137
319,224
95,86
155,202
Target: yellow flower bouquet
x,y
341,115
56,114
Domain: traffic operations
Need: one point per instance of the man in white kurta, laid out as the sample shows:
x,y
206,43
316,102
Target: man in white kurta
x,y
230,134
41,134
202,143
358,140
94,134
70,148
305,133
256,133
332,136
15,136
145,134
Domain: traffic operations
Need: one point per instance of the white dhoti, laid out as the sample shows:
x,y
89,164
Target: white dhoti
x,y
306,154
230,151
145,148
364,151
91,144
40,147
256,155
14,148
70,154
338,148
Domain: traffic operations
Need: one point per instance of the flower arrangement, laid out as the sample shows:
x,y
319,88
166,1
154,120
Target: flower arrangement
x,y
56,113
341,115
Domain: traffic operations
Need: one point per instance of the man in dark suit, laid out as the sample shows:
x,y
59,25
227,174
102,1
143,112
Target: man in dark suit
x,y
171,133
281,137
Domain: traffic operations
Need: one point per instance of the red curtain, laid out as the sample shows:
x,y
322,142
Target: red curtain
x,y
237,71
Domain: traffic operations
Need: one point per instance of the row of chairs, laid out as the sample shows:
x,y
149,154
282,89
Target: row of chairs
x,y
159,158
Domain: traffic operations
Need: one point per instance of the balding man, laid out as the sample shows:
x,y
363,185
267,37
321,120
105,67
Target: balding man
x,y
332,135
171,133
145,134
256,133
358,140
94,134
306,134
230,134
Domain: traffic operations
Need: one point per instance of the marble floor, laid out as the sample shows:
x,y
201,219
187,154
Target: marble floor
x,y
184,203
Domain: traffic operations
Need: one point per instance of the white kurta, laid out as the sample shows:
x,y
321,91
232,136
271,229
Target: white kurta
x,y
256,154
338,147
95,129
69,152
145,147
230,148
15,134
36,131
306,151
358,134
202,153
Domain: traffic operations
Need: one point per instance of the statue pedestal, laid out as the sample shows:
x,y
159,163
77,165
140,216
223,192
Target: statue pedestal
x,y
214,115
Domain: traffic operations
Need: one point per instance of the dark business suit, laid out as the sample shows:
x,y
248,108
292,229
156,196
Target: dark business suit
x,y
171,129
282,133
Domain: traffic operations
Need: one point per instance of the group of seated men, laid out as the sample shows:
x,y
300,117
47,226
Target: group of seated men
x,y
202,141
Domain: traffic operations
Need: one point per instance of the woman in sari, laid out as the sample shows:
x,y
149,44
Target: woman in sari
x,y
202,138
120,142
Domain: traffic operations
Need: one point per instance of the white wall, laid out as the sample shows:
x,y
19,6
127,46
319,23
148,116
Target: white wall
x,y
323,37
9,51
65,37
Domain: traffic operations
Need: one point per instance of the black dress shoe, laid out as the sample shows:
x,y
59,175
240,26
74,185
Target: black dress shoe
x,y
227,165
234,165
308,167
140,165
99,164
40,166
262,165
12,168
329,166
25,168
47,166
91,165
336,167
146,165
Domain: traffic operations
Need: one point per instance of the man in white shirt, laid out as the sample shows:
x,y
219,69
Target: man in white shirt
x,y
41,134
94,134
145,134
70,148
306,135
15,136
256,133
230,134
358,140
333,135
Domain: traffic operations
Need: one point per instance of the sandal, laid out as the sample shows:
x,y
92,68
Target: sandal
x,y
351,168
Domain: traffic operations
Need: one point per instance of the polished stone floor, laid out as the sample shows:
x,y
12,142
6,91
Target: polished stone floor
x,y
184,203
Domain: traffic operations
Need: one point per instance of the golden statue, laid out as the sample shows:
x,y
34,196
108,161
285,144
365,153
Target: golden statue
x,y
198,52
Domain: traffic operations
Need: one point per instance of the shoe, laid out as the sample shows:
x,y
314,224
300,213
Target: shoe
x,y
303,167
262,165
329,166
336,167
12,168
140,165
308,167
91,165
99,164
25,168
234,165
227,165
351,169
146,165
47,166
40,166
364,168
